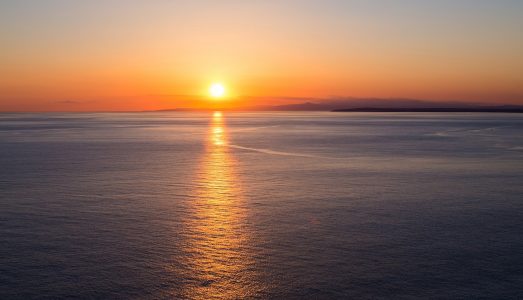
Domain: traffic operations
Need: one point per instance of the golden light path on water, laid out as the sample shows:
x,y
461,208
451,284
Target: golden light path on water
x,y
221,260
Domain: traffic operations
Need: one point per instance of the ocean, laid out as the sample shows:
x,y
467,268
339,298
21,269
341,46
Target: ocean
x,y
280,205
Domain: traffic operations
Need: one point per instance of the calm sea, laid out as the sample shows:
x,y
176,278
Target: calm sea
x,y
261,205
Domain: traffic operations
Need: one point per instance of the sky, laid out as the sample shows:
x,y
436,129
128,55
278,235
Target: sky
x,y
110,55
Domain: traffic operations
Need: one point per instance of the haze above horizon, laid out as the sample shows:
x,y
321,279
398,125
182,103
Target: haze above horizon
x,y
150,55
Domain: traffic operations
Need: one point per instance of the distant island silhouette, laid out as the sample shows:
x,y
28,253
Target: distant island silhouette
x,y
372,105
493,109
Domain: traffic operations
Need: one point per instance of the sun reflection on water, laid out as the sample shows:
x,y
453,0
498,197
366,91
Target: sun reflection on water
x,y
221,262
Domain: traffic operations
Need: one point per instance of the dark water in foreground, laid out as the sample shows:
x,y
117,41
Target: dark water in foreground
x,y
261,205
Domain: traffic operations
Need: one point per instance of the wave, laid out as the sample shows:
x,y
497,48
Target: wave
x,y
253,128
477,131
273,152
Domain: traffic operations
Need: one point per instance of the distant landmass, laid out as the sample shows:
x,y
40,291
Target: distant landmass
x,y
374,105
502,109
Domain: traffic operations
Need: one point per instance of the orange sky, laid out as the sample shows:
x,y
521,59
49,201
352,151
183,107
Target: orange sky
x,y
141,55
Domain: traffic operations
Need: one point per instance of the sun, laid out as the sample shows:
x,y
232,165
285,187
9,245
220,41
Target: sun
x,y
217,90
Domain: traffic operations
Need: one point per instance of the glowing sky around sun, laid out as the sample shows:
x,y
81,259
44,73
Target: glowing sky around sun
x,y
136,55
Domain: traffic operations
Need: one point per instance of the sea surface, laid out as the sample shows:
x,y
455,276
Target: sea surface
x,y
261,205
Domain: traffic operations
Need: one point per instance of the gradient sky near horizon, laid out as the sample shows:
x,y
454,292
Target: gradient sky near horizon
x,y
137,55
